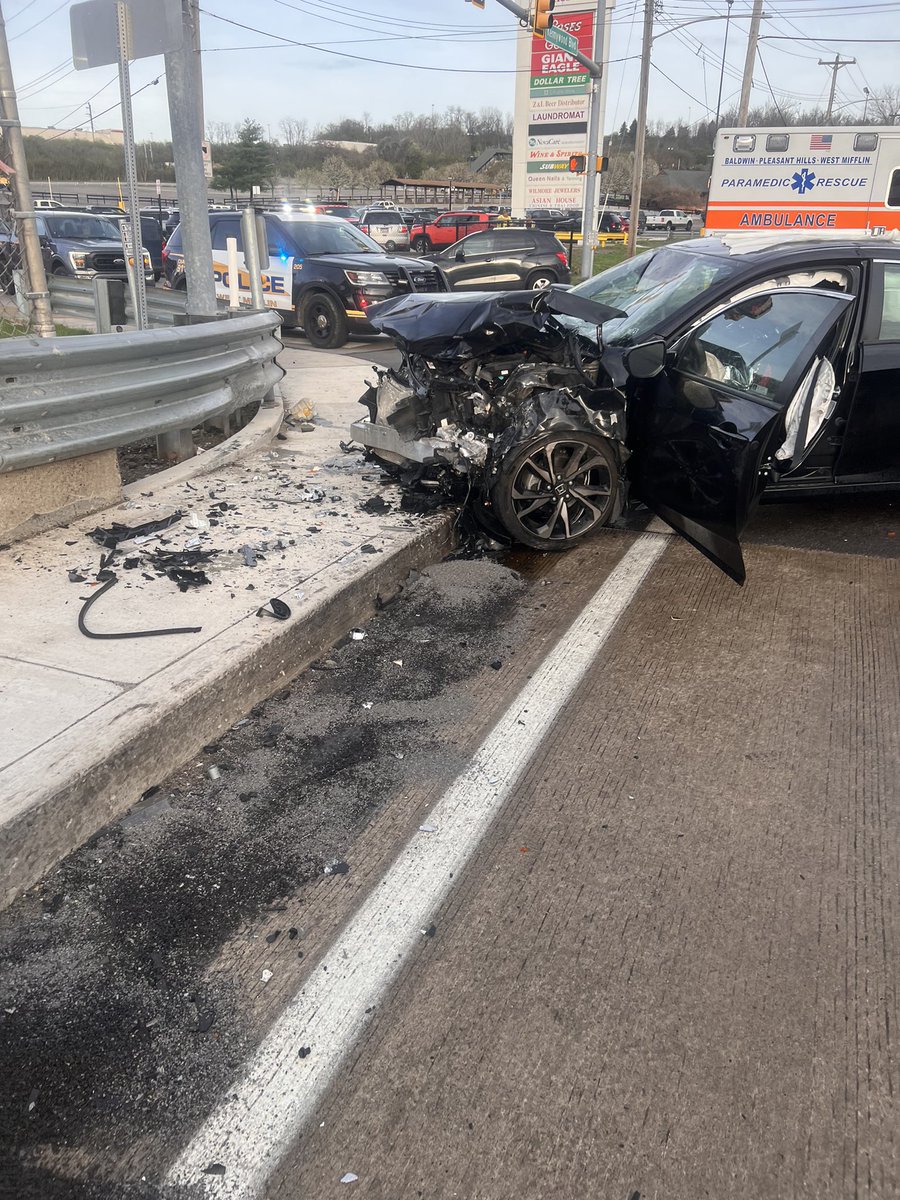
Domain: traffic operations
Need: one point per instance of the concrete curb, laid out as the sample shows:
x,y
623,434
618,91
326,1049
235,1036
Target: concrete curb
x,y
256,435
151,730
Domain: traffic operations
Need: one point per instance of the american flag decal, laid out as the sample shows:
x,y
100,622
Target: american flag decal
x,y
820,141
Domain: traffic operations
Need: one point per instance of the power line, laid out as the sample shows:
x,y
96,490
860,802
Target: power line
x,y
771,92
41,21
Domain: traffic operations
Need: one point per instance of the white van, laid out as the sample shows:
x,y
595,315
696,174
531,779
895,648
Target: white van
x,y
845,179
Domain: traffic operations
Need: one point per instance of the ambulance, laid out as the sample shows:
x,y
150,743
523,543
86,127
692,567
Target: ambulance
x,y
805,180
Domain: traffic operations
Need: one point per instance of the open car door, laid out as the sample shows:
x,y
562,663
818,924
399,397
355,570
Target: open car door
x,y
746,393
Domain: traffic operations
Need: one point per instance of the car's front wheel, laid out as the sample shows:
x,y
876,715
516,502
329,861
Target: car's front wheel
x,y
540,279
689,226
323,321
58,269
553,491
421,244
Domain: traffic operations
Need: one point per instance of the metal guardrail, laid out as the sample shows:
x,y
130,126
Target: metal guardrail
x,y
78,298
67,396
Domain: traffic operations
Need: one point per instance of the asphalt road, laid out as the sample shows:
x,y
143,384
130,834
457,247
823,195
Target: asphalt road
x,y
577,876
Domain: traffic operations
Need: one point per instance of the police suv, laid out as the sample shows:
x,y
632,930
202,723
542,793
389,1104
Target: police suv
x,y
321,273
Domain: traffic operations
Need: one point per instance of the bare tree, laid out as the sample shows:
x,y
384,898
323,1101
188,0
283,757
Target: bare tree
x,y
221,132
294,130
885,102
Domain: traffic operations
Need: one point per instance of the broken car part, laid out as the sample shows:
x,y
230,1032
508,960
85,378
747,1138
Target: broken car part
x,y
135,633
110,538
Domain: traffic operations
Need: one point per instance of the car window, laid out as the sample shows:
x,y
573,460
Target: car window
x,y
83,228
329,236
889,331
222,231
753,345
479,243
443,222
651,288
893,200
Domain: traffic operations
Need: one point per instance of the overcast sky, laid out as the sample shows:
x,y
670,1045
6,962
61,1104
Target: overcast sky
x,y
469,55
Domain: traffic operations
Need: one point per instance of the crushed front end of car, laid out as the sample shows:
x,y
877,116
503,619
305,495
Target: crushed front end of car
x,y
501,402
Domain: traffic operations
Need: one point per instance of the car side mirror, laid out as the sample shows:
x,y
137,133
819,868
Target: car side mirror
x,y
460,255
647,360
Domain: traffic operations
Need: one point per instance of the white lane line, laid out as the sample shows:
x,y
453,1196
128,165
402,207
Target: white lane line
x,y
278,1093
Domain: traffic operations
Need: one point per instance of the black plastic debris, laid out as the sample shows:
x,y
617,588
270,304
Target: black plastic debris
x,y
368,548
304,1052
110,538
214,1169
271,734
111,581
292,934
163,559
245,797
273,937
496,664
376,505
77,577
130,563
430,931
249,556
279,610
186,578
337,868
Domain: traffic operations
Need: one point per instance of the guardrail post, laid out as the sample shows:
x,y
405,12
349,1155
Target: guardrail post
x,y
175,446
109,304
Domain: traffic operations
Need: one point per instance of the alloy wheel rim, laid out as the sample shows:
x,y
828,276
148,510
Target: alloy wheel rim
x,y
562,490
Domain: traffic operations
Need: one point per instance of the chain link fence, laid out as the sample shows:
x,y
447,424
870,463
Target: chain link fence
x,y
15,311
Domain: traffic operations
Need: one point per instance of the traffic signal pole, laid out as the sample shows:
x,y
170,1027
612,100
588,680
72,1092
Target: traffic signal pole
x,y
524,15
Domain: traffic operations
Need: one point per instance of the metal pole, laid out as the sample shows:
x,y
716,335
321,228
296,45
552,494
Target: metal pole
x,y
523,15
594,138
234,274
750,62
722,69
38,296
193,201
133,219
640,137
251,257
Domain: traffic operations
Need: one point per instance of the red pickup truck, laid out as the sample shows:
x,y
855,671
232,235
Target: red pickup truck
x,y
448,228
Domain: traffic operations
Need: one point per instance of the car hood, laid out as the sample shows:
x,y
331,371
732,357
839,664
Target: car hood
x,y
456,324
89,244
364,262
448,325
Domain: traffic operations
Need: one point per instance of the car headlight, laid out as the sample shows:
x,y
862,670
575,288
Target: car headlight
x,y
77,260
363,278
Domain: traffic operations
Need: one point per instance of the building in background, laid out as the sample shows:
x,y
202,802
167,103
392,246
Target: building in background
x,y
108,137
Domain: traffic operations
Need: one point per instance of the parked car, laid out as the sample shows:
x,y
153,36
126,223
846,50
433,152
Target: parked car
x,y
152,238
670,219
554,218
719,370
341,210
386,227
322,274
75,243
500,259
48,204
446,229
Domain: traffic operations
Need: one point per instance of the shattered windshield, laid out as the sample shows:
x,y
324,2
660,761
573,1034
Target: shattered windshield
x,y
651,288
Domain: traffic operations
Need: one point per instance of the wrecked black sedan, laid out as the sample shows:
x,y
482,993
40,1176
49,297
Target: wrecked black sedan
x,y
689,378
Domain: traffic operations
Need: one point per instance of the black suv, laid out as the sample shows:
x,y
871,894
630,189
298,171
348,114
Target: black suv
x,y
500,260
322,274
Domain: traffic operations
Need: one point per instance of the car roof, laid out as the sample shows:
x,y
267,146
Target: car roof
x,y
764,248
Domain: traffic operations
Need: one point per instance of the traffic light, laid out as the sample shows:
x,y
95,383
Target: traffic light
x,y
543,19
578,163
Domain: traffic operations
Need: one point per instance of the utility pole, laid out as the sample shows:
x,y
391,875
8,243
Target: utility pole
x,y
722,68
187,137
90,113
834,66
750,62
38,296
641,134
